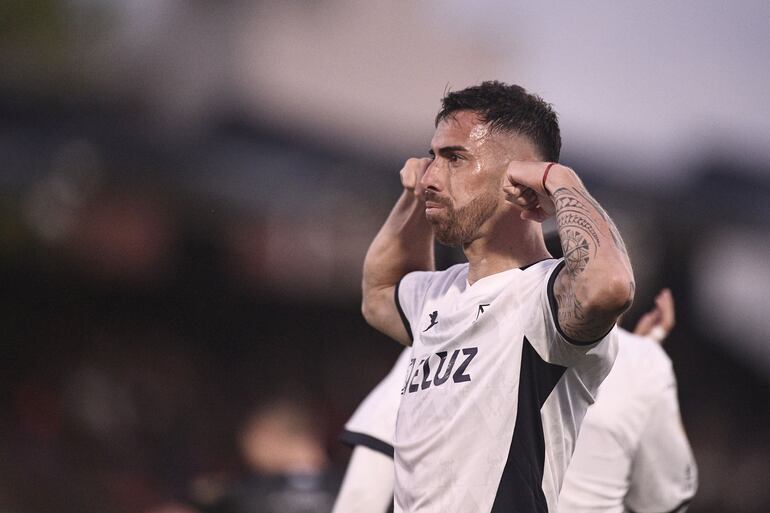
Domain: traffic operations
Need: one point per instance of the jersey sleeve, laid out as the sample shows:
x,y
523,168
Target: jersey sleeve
x,y
374,422
410,295
663,474
560,349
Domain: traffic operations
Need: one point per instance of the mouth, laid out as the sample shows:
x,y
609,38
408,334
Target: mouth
x,y
434,209
434,202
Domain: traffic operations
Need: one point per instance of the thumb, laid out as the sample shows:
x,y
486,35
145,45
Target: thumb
x,y
536,214
647,322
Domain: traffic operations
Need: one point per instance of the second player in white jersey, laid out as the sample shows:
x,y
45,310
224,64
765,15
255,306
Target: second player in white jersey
x,y
632,453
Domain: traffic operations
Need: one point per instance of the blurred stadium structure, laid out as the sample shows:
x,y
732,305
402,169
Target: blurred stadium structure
x,y
187,190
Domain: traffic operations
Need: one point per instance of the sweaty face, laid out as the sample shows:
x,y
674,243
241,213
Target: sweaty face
x,y
463,183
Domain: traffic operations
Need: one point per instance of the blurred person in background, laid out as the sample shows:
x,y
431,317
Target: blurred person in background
x,y
631,454
509,349
282,448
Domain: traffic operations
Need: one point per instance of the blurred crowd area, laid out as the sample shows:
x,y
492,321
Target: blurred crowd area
x,y
146,317
181,324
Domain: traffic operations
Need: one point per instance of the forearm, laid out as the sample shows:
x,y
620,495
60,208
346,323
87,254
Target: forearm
x,y
597,284
403,244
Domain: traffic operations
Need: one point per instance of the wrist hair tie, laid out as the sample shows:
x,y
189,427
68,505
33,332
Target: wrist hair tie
x,y
545,176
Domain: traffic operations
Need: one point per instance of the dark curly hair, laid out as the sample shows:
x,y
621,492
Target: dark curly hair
x,y
509,108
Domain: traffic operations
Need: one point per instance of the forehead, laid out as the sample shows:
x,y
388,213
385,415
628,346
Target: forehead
x,y
465,128
460,128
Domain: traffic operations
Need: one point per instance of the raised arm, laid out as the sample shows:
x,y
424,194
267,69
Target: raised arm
x,y
664,474
403,244
658,322
597,283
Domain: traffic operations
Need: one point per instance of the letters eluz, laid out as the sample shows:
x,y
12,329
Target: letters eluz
x,y
441,375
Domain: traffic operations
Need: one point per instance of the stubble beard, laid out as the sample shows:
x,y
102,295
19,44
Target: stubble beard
x,y
461,226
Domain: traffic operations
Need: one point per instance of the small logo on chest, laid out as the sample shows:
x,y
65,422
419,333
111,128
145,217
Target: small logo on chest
x,y
433,320
480,311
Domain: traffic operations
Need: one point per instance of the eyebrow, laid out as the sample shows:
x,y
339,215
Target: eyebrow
x,y
447,150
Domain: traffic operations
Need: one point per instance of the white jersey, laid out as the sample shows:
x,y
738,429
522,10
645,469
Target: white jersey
x,y
632,451
374,421
494,395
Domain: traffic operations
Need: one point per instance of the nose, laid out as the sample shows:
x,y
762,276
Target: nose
x,y
432,178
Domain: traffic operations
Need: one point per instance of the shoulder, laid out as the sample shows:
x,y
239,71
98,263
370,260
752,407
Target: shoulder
x,y
543,268
454,272
538,275
645,360
643,350
432,279
417,287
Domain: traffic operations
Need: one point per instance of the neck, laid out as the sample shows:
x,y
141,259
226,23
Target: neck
x,y
520,243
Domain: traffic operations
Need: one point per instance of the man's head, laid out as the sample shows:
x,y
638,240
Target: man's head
x,y
479,131
508,109
282,436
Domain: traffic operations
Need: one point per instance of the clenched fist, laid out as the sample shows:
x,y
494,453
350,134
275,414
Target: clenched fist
x,y
523,186
411,174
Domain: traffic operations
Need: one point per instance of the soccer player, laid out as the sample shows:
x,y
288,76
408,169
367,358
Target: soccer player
x,y
631,453
509,349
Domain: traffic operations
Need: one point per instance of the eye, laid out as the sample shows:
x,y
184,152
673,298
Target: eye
x,y
454,158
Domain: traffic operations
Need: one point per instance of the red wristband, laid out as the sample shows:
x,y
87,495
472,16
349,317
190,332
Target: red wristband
x,y
545,175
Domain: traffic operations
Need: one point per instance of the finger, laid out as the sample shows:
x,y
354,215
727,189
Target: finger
x,y
531,173
411,173
510,177
421,185
525,202
527,194
522,202
513,190
407,178
665,303
534,214
646,323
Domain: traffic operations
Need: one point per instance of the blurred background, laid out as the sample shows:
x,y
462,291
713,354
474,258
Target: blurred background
x,y
188,188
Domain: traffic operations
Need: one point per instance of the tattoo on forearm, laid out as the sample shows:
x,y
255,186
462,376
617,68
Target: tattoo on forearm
x,y
572,220
616,238
572,318
578,235
579,218
574,212
576,250
570,309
